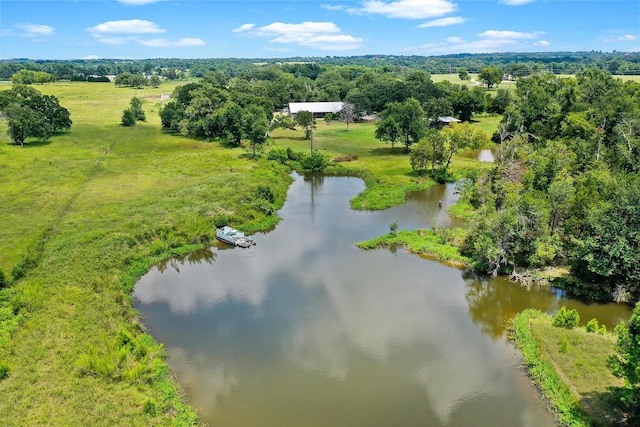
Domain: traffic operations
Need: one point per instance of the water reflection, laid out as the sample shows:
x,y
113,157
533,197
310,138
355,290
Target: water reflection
x,y
485,156
307,329
202,256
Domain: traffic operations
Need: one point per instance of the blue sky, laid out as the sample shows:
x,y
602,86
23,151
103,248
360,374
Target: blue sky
x,y
138,29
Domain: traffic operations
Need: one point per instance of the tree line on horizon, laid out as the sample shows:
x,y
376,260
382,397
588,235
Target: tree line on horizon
x,y
616,63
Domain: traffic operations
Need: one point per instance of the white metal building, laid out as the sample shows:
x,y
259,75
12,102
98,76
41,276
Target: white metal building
x,y
318,109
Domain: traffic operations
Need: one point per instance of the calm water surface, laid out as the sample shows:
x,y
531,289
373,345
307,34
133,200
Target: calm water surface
x,y
305,329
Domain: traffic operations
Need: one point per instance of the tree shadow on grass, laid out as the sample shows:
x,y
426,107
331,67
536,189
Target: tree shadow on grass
x,y
388,151
290,138
606,407
426,174
30,144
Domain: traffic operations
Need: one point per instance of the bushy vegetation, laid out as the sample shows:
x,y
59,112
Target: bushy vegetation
x,y
567,319
565,188
137,81
626,365
441,244
27,77
31,114
593,327
134,113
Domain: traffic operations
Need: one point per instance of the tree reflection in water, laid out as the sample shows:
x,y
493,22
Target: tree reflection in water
x,y
202,256
493,301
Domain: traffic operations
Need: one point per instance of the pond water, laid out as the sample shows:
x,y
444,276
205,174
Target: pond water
x,y
305,329
485,156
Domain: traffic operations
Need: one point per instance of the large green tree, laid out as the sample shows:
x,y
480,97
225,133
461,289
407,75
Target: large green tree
x,y
490,76
388,130
466,102
305,120
462,136
608,254
430,150
256,126
626,364
407,118
31,114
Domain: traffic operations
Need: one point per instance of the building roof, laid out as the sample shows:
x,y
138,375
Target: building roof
x,y
448,119
316,107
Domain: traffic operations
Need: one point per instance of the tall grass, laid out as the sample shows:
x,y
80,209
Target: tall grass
x,y
543,373
440,244
83,216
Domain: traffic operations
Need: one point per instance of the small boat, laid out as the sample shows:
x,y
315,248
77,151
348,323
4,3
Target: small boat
x,y
234,237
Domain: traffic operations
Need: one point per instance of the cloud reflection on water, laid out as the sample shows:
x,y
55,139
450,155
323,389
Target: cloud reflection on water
x,y
306,304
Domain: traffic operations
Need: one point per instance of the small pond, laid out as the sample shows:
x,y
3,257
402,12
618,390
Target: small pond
x,y
305,329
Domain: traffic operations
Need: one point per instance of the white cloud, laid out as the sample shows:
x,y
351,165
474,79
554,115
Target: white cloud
x,y
112,40
88,57
516,2
316,35
508,35
131,26
129,31
488,41
406,9
244,27
627,37
443,22
186,42
293,32
333,7
281,50
36,30
138,2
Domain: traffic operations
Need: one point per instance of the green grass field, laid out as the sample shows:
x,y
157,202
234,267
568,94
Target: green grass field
x,y
581,360
570,366
89,211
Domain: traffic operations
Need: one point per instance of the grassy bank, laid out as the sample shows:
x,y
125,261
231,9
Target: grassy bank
x,y
85,214
440,244
570,369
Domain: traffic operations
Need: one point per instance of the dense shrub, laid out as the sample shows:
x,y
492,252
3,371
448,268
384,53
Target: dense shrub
x,y
4,370
568,319
315,162
128,118
136,107
278,155
293,155
265,192
99,79
220,221
150,408
626,364
592,326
